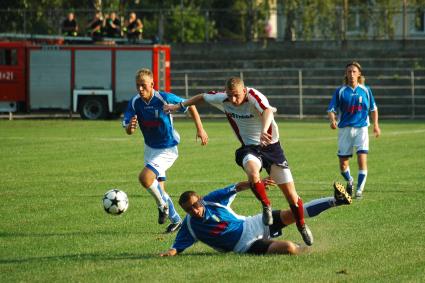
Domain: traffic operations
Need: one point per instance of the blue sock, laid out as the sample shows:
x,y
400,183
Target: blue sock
x,y
317,206
173,214
361,181
347,176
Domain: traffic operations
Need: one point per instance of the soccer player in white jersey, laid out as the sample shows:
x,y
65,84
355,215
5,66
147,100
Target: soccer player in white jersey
x,y
251,117
352,103
160,138
211,220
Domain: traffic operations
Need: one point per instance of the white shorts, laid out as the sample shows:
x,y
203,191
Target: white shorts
x,y
160,159
350,137
253,230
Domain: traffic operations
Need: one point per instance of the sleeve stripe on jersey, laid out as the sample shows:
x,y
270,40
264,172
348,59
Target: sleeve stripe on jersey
x,y
159,96
258,99
134,101
270,130
235,128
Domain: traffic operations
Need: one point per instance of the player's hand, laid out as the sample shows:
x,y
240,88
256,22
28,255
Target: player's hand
x,y
333,125
265,139
170,108
131,127
268,181
203,136
376,131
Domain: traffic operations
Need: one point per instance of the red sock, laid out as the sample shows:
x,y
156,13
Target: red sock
x,y
259,191
298,212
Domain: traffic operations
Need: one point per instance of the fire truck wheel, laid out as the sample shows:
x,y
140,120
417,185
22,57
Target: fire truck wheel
x,y
93,108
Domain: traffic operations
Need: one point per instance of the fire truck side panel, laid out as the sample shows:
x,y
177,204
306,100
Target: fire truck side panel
x,y
93,69
12,73
127,64
50,79
94,80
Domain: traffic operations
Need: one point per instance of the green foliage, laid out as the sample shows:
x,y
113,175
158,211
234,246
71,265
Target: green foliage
x,y
189,25
241,20
53,229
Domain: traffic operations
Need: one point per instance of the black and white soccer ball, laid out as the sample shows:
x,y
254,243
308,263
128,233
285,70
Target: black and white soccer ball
x,y
115,202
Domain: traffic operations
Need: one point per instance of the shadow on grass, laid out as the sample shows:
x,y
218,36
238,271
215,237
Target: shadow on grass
x,y
67,234
90,257
102,257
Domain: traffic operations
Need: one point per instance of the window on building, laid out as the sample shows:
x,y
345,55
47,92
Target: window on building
x,y
420,20
357,21
8,57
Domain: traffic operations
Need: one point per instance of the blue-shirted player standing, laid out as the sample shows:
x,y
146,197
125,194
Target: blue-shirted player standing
x,y
352,103
212,221
161,139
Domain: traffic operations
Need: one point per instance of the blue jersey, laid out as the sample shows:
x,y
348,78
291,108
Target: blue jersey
x,y
156,125
220,227
352,106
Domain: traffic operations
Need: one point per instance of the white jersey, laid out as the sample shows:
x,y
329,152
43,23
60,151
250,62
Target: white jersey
x,y
245,119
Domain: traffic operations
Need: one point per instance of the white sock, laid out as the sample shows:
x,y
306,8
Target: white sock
x,y
154,191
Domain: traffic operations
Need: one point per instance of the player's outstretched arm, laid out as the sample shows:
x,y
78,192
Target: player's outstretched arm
x,y
200,132
170,252
195,100
244,185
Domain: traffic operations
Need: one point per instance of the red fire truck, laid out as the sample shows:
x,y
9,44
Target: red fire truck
x,y
94,80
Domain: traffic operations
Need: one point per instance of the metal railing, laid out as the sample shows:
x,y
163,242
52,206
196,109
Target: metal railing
x,y
399,93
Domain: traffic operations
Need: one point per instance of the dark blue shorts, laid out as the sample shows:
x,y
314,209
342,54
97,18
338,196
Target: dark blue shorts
x,y
260,247
271,154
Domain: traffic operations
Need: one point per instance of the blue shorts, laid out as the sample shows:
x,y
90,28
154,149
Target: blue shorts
x,y
268,155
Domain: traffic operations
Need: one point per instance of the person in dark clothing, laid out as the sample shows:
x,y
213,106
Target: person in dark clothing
x,y
134,28
95,26
113,26
70,26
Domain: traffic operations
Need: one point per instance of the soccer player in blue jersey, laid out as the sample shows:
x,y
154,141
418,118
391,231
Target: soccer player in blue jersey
x,y
211,220
160,138
352,103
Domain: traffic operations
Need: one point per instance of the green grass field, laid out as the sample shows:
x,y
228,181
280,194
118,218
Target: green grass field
x,y
53,228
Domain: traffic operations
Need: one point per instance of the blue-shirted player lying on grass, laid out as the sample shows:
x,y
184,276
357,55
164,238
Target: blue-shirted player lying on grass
x,y
211,220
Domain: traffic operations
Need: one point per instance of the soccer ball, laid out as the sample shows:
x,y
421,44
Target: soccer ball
x,y
115,202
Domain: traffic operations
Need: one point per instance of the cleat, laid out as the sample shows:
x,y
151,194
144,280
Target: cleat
x,y
162,214
359,194
173,227
306,234
349,188
267,215
341,195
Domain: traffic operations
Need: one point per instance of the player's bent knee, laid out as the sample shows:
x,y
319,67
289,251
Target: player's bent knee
x,y
281,175
250,161
146,180
283,247
292,248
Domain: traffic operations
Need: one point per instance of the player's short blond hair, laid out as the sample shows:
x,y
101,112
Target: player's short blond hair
x,y
143,73
234,82
356,64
